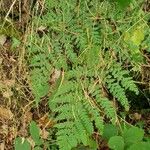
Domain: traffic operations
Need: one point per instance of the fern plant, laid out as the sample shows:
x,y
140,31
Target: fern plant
x,y
93,80
118,82
40,69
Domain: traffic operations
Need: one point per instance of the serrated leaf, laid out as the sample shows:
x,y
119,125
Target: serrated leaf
x,y
133,135
116,143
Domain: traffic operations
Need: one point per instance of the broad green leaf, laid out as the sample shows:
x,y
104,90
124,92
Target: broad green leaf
x,y
116,143
134,39
133,135
137,36
35,133
140,146
109,131
124,3
22,144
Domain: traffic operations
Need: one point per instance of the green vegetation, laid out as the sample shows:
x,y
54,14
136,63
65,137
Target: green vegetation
x,y
131,139
86,66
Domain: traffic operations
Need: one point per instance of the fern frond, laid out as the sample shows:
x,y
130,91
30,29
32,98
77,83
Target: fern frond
x,y
109,109
75,43
118,82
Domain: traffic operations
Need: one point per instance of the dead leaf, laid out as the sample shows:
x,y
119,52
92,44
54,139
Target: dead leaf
x,y
41,28
7,94
3,39
4,129
12,59
28,117
9,83
44,134
137,116
45,122
5,114
55,75
11,134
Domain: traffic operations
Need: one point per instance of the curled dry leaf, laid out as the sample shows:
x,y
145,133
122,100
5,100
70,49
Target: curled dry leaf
x,y
5,114
137,116
42,28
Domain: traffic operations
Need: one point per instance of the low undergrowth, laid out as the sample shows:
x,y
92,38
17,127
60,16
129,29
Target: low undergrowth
x,y
84,66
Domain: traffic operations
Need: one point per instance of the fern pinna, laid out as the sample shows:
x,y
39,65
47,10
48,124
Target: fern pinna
x,y
75,44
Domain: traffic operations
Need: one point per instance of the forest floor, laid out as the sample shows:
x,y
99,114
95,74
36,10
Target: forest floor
x,y
17,107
